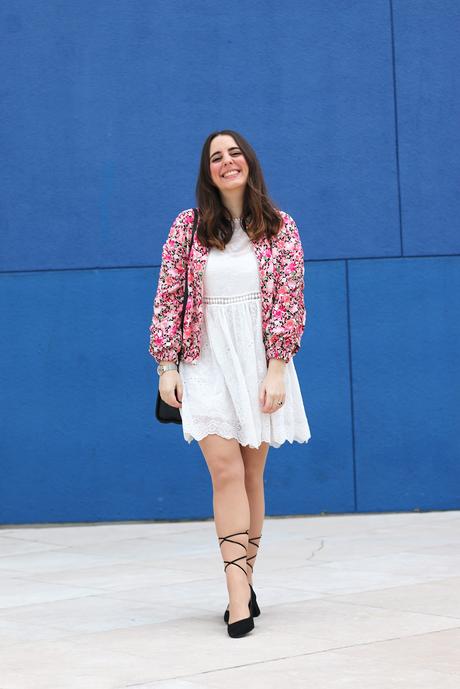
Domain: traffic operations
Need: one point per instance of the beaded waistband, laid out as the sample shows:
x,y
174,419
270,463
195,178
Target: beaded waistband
x,y
249,296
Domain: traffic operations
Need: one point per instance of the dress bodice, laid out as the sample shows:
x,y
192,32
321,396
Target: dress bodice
x,y
235,270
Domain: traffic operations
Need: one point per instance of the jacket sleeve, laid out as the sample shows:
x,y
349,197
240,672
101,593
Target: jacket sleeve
x,y
165,328
288,317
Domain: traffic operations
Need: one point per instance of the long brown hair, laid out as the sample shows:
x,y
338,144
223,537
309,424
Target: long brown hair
x,y
260,214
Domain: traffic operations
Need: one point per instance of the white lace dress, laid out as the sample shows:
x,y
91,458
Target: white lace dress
x,y
221,390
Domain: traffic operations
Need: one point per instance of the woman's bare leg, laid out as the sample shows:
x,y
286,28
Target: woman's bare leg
x,y
231,514
254,465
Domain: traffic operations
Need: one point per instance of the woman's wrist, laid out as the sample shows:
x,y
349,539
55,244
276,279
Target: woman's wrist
x,y
276,365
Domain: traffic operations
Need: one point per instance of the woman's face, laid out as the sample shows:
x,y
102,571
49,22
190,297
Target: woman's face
x,y
227,164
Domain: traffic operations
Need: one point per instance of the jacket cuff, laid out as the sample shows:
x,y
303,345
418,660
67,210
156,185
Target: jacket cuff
x,y
277,353
164,355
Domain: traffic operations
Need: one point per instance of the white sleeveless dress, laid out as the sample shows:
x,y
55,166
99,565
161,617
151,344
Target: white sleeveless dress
x,y
221,390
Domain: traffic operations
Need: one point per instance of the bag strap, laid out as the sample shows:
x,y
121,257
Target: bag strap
x,y
195,222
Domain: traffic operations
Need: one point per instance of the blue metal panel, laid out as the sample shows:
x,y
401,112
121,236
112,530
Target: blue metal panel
x,y
107,106
427,49
405,330
79,441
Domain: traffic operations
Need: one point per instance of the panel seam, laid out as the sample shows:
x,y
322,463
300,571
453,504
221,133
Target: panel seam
x,y
396,130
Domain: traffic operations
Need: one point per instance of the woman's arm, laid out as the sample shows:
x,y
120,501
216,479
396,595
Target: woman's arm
x,y
165,330
288,317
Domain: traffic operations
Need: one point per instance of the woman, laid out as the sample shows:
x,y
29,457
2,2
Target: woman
x,y
236,385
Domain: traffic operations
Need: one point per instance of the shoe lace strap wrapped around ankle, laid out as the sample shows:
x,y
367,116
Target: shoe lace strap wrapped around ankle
x,y
251,540
229,539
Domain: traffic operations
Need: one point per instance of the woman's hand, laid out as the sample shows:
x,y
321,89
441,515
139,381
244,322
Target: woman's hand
x,y
170,388
272,391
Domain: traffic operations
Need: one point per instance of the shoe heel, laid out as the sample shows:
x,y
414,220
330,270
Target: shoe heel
x,y
255,607
241,627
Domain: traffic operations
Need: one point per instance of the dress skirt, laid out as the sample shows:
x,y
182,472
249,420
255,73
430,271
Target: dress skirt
x,y
221,390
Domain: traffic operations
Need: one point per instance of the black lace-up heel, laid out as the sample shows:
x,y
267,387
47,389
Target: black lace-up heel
x,y
240,627
255,607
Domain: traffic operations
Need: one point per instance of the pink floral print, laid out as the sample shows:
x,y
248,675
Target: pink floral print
x,y
281,273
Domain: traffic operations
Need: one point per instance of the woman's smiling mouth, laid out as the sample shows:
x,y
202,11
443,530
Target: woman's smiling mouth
x,y
230,174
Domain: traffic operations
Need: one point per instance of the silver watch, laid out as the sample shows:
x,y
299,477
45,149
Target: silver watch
x,y
166,367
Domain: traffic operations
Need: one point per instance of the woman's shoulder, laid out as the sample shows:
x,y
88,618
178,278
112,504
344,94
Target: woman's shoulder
x,y
289,229
181,226
287,218
185,216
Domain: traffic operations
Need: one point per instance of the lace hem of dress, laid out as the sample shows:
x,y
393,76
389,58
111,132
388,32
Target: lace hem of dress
x,y
206,426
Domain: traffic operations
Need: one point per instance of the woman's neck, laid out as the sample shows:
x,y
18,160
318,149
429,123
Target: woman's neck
x,y
234,204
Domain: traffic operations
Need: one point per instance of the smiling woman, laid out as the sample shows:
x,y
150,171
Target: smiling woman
x,y
235,384
229,170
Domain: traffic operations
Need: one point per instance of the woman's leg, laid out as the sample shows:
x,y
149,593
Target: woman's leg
x,y
254,465
231,515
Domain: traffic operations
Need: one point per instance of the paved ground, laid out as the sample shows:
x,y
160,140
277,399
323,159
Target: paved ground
x,y
362,601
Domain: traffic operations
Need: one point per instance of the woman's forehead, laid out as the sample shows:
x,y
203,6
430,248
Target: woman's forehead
x,y
223,141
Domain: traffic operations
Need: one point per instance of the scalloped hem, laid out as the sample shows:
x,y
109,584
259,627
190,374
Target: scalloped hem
x,y
272,443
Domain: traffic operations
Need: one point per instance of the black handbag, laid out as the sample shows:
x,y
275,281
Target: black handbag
x,y
164,412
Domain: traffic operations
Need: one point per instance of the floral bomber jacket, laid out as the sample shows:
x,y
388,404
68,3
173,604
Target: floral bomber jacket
x,y
281,273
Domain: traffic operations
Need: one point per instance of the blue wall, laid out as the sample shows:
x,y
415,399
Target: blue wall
x,y
353,110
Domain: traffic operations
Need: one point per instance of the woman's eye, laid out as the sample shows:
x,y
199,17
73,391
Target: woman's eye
x,y
234,153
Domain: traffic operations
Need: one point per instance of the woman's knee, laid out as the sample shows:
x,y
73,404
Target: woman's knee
x,y
226,472
224,461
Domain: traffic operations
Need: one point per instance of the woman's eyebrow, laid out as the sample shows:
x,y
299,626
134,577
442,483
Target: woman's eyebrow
x,y
230,149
